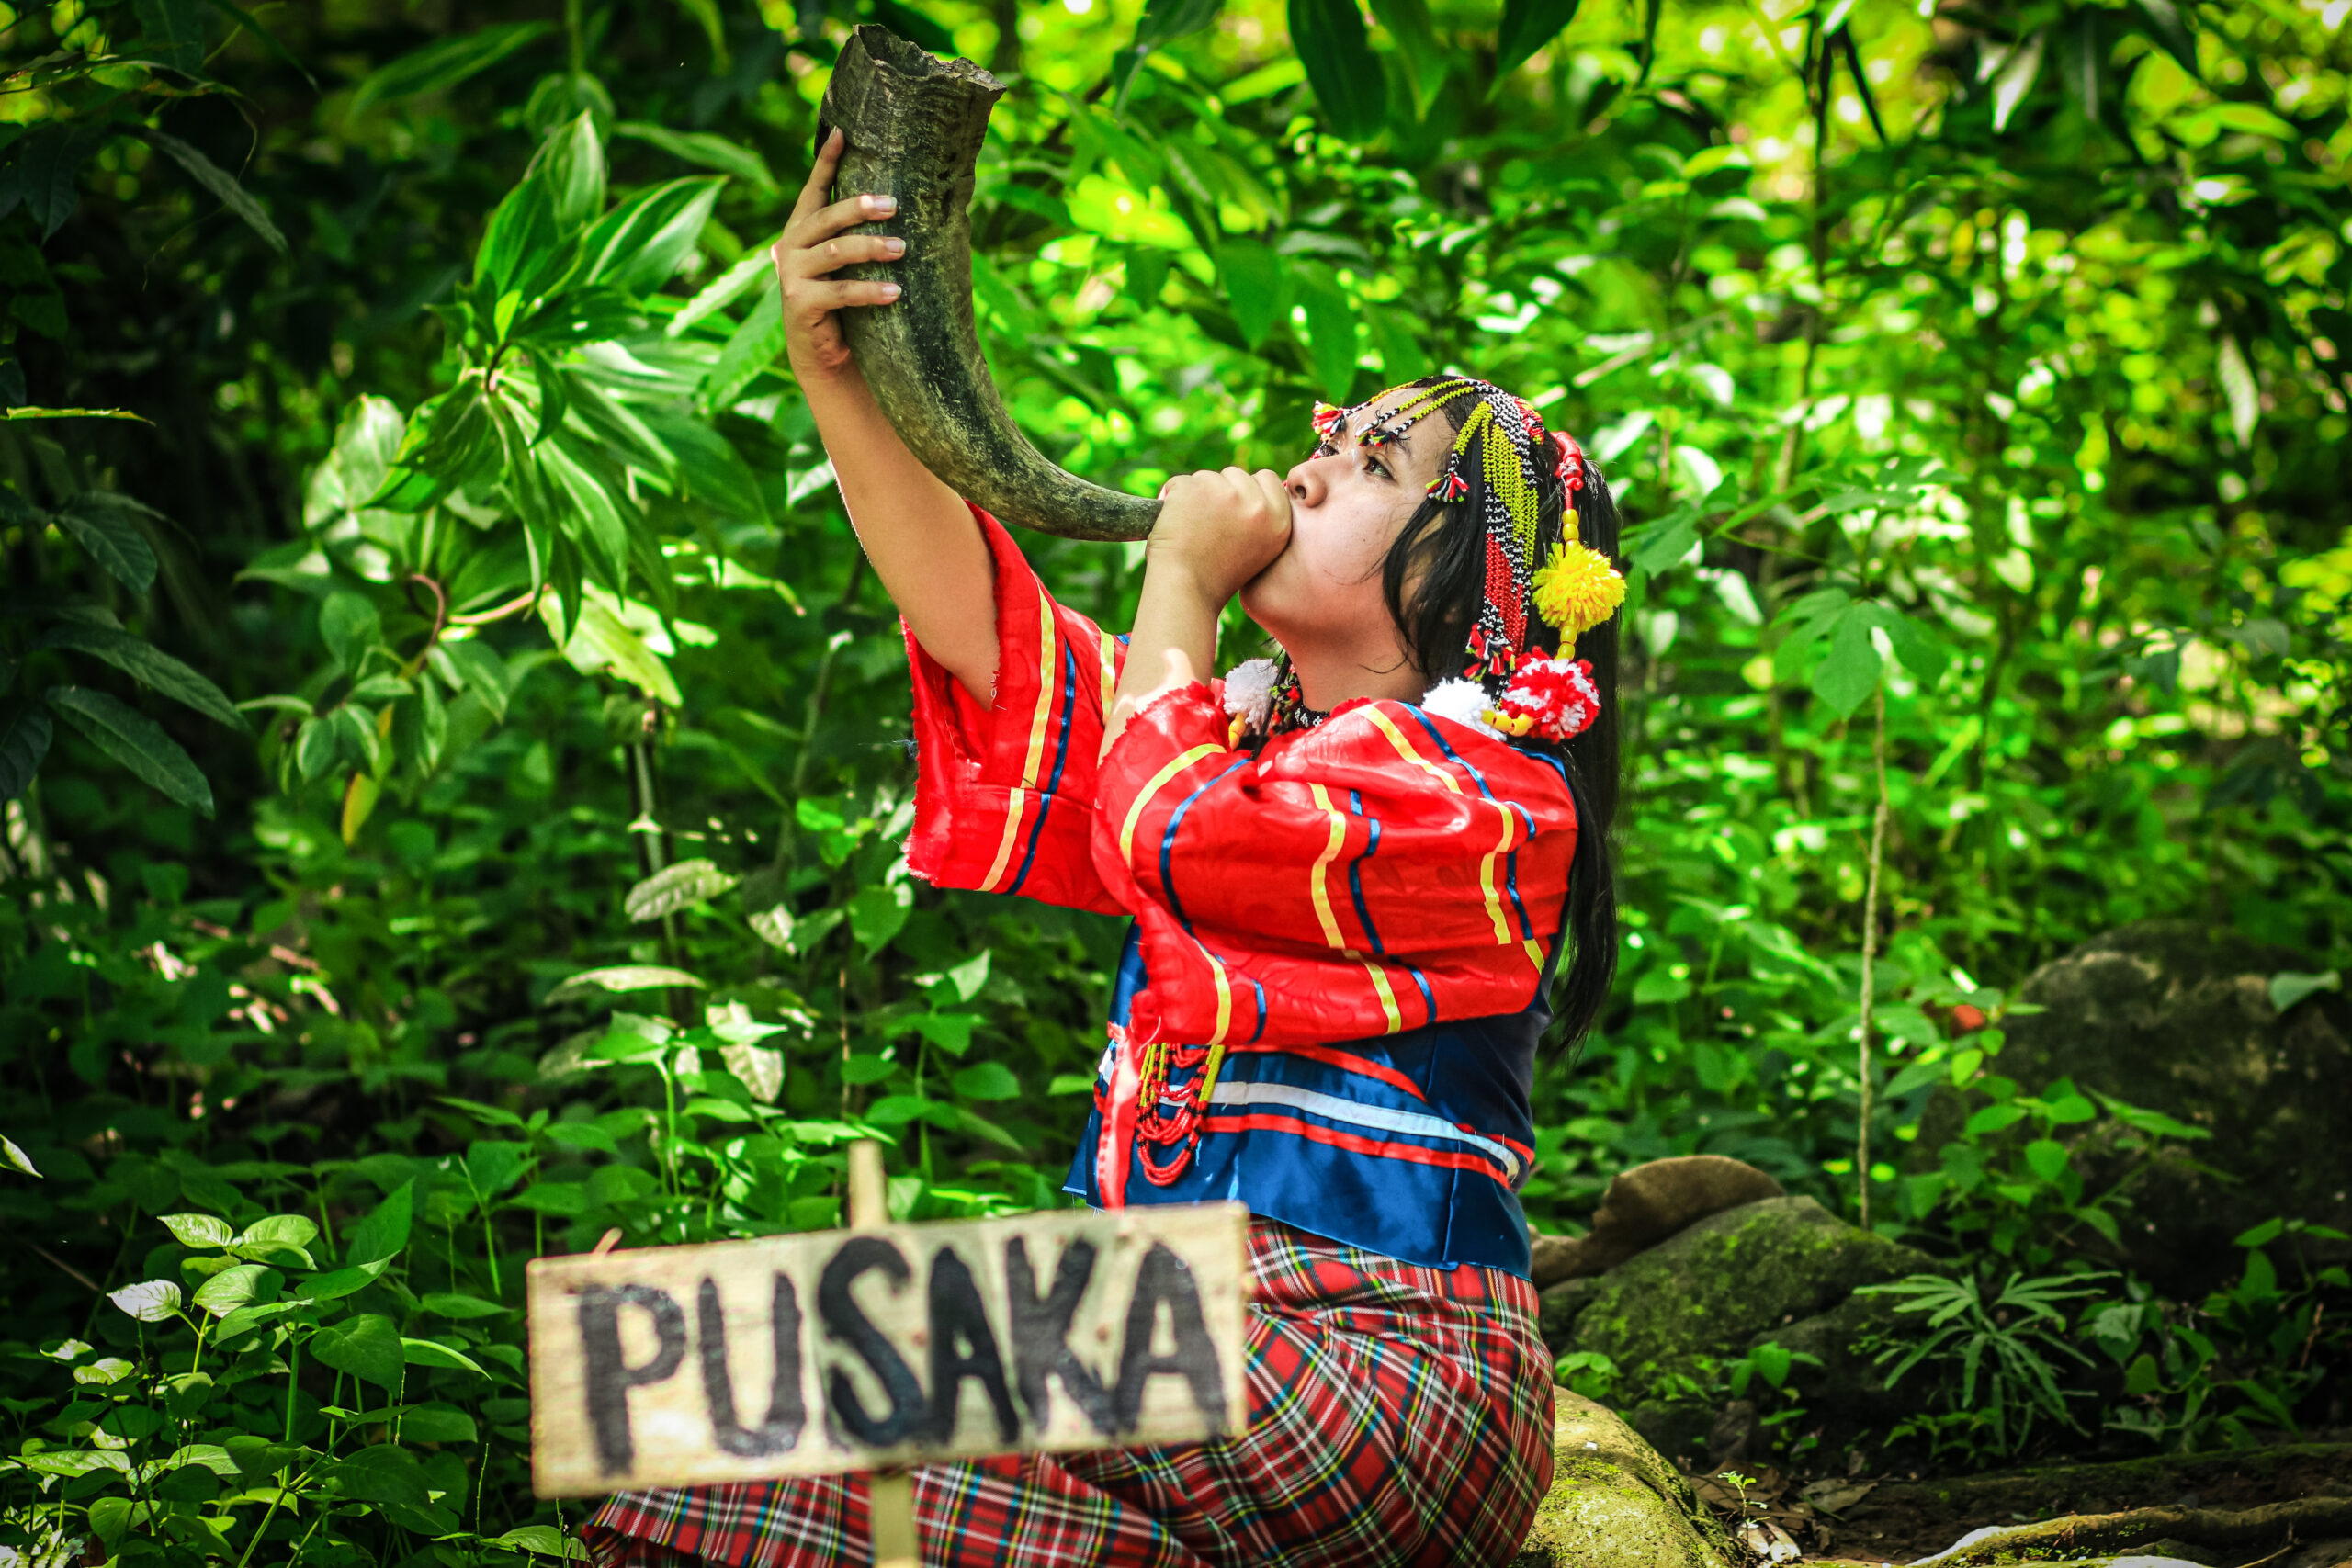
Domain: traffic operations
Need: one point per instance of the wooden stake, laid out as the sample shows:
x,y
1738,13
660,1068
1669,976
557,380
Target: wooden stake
x,y
889,1494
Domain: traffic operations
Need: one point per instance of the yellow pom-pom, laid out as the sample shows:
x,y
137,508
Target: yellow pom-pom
x,y
1577,589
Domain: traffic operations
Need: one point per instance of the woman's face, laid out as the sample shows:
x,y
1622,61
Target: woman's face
x,y
1348,504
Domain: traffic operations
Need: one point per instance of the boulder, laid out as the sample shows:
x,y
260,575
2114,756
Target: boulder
x,y
1645,1206
2175,1017
1614,1503
1765,1271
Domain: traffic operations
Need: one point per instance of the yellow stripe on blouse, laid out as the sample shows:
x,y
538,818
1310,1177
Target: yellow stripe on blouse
x,y
1316,892
1168,770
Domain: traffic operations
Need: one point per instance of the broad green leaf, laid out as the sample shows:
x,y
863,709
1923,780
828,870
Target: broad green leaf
x,y
100,521
151,1300
450,1305
383,1473
221,184
208,1232
716,474
366,1345
986,1080
2046,1158
152,667
1528,26
136,742
337,1283
875,914
752,349
437,1422
708,151
476,666
241,1285
600,640
1849,672
575,173
15,1158
619,978
446,61
175,33
365,443
1914,645
1994,1118
350,625
1418,48
1664,542
592,513
384,1232
1254,286
542,1540
1329,36
1333,332
675,887
25,735
1165,21
639,244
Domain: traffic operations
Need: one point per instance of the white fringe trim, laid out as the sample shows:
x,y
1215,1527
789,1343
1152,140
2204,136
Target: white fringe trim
x,y
1463,701
1250,694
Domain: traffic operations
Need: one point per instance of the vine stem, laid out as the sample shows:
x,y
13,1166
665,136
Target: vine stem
x,y
1869,948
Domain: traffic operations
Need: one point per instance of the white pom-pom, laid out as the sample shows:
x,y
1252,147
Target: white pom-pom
x,y
1464,702
1250,694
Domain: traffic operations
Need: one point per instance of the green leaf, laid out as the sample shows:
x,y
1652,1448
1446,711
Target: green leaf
x,y
25,734
1419,50
1254,286
875,914
621,977
1994,1118
1664,542
151,1300
710,152
1528,26
675,887
2143,1377
639,244
152,667
15,1158
239,1285
1329,39
542,1540
136,742
450,1305
2016,79
205,1232
175,33
475,665
446,61
592,513
437,1422
755,271
575,173
383,1234
350,625
2046,1158
428,1353
986,1080
338,1283
2287,987
366,1346
1850,671
100,521
383,1473
1333,332
221,184
752,349
565,1198
1915,647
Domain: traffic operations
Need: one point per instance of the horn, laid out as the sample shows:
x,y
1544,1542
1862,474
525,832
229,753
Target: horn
x,y
913,124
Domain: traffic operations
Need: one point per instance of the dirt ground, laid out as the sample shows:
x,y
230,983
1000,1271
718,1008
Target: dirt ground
x,y
1898,1520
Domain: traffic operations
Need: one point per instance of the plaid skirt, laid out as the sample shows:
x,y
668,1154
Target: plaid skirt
x,y
1397,1414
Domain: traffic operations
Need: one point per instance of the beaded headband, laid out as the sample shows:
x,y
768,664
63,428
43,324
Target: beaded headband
x,y
1501,443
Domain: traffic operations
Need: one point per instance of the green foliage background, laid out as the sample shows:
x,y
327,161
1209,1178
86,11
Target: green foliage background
x,y
454,756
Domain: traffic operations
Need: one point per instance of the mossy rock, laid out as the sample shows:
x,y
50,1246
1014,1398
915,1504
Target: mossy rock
x,y
2175,1017
1613,1502
1720,1286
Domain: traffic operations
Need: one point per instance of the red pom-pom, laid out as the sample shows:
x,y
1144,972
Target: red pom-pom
x,y
1557,694
1328,419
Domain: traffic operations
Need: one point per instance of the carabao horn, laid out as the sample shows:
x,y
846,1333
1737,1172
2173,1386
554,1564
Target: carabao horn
x,y
914,125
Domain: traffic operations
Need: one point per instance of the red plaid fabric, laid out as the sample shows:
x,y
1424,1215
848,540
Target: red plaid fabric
x,y
1397,1414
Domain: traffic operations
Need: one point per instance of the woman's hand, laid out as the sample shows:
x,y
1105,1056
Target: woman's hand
x,y
1219,528
812,247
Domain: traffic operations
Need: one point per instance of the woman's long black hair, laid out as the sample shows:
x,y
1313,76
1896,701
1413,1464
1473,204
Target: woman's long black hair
x,y
1445,542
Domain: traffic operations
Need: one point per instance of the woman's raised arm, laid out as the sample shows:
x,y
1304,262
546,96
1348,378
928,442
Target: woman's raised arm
x,y
922,540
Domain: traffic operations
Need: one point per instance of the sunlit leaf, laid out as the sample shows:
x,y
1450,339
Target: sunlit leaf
x,y
136,742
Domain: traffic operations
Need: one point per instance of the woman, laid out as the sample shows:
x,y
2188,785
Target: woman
x,y
1352,874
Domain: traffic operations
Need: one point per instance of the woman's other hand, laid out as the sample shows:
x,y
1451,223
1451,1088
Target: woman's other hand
x,y
1219,528
814,245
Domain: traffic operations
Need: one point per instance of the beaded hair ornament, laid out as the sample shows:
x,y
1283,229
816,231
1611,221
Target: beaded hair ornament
x,y
1517,690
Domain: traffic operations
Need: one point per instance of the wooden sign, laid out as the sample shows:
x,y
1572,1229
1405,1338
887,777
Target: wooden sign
x,y
855,1349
